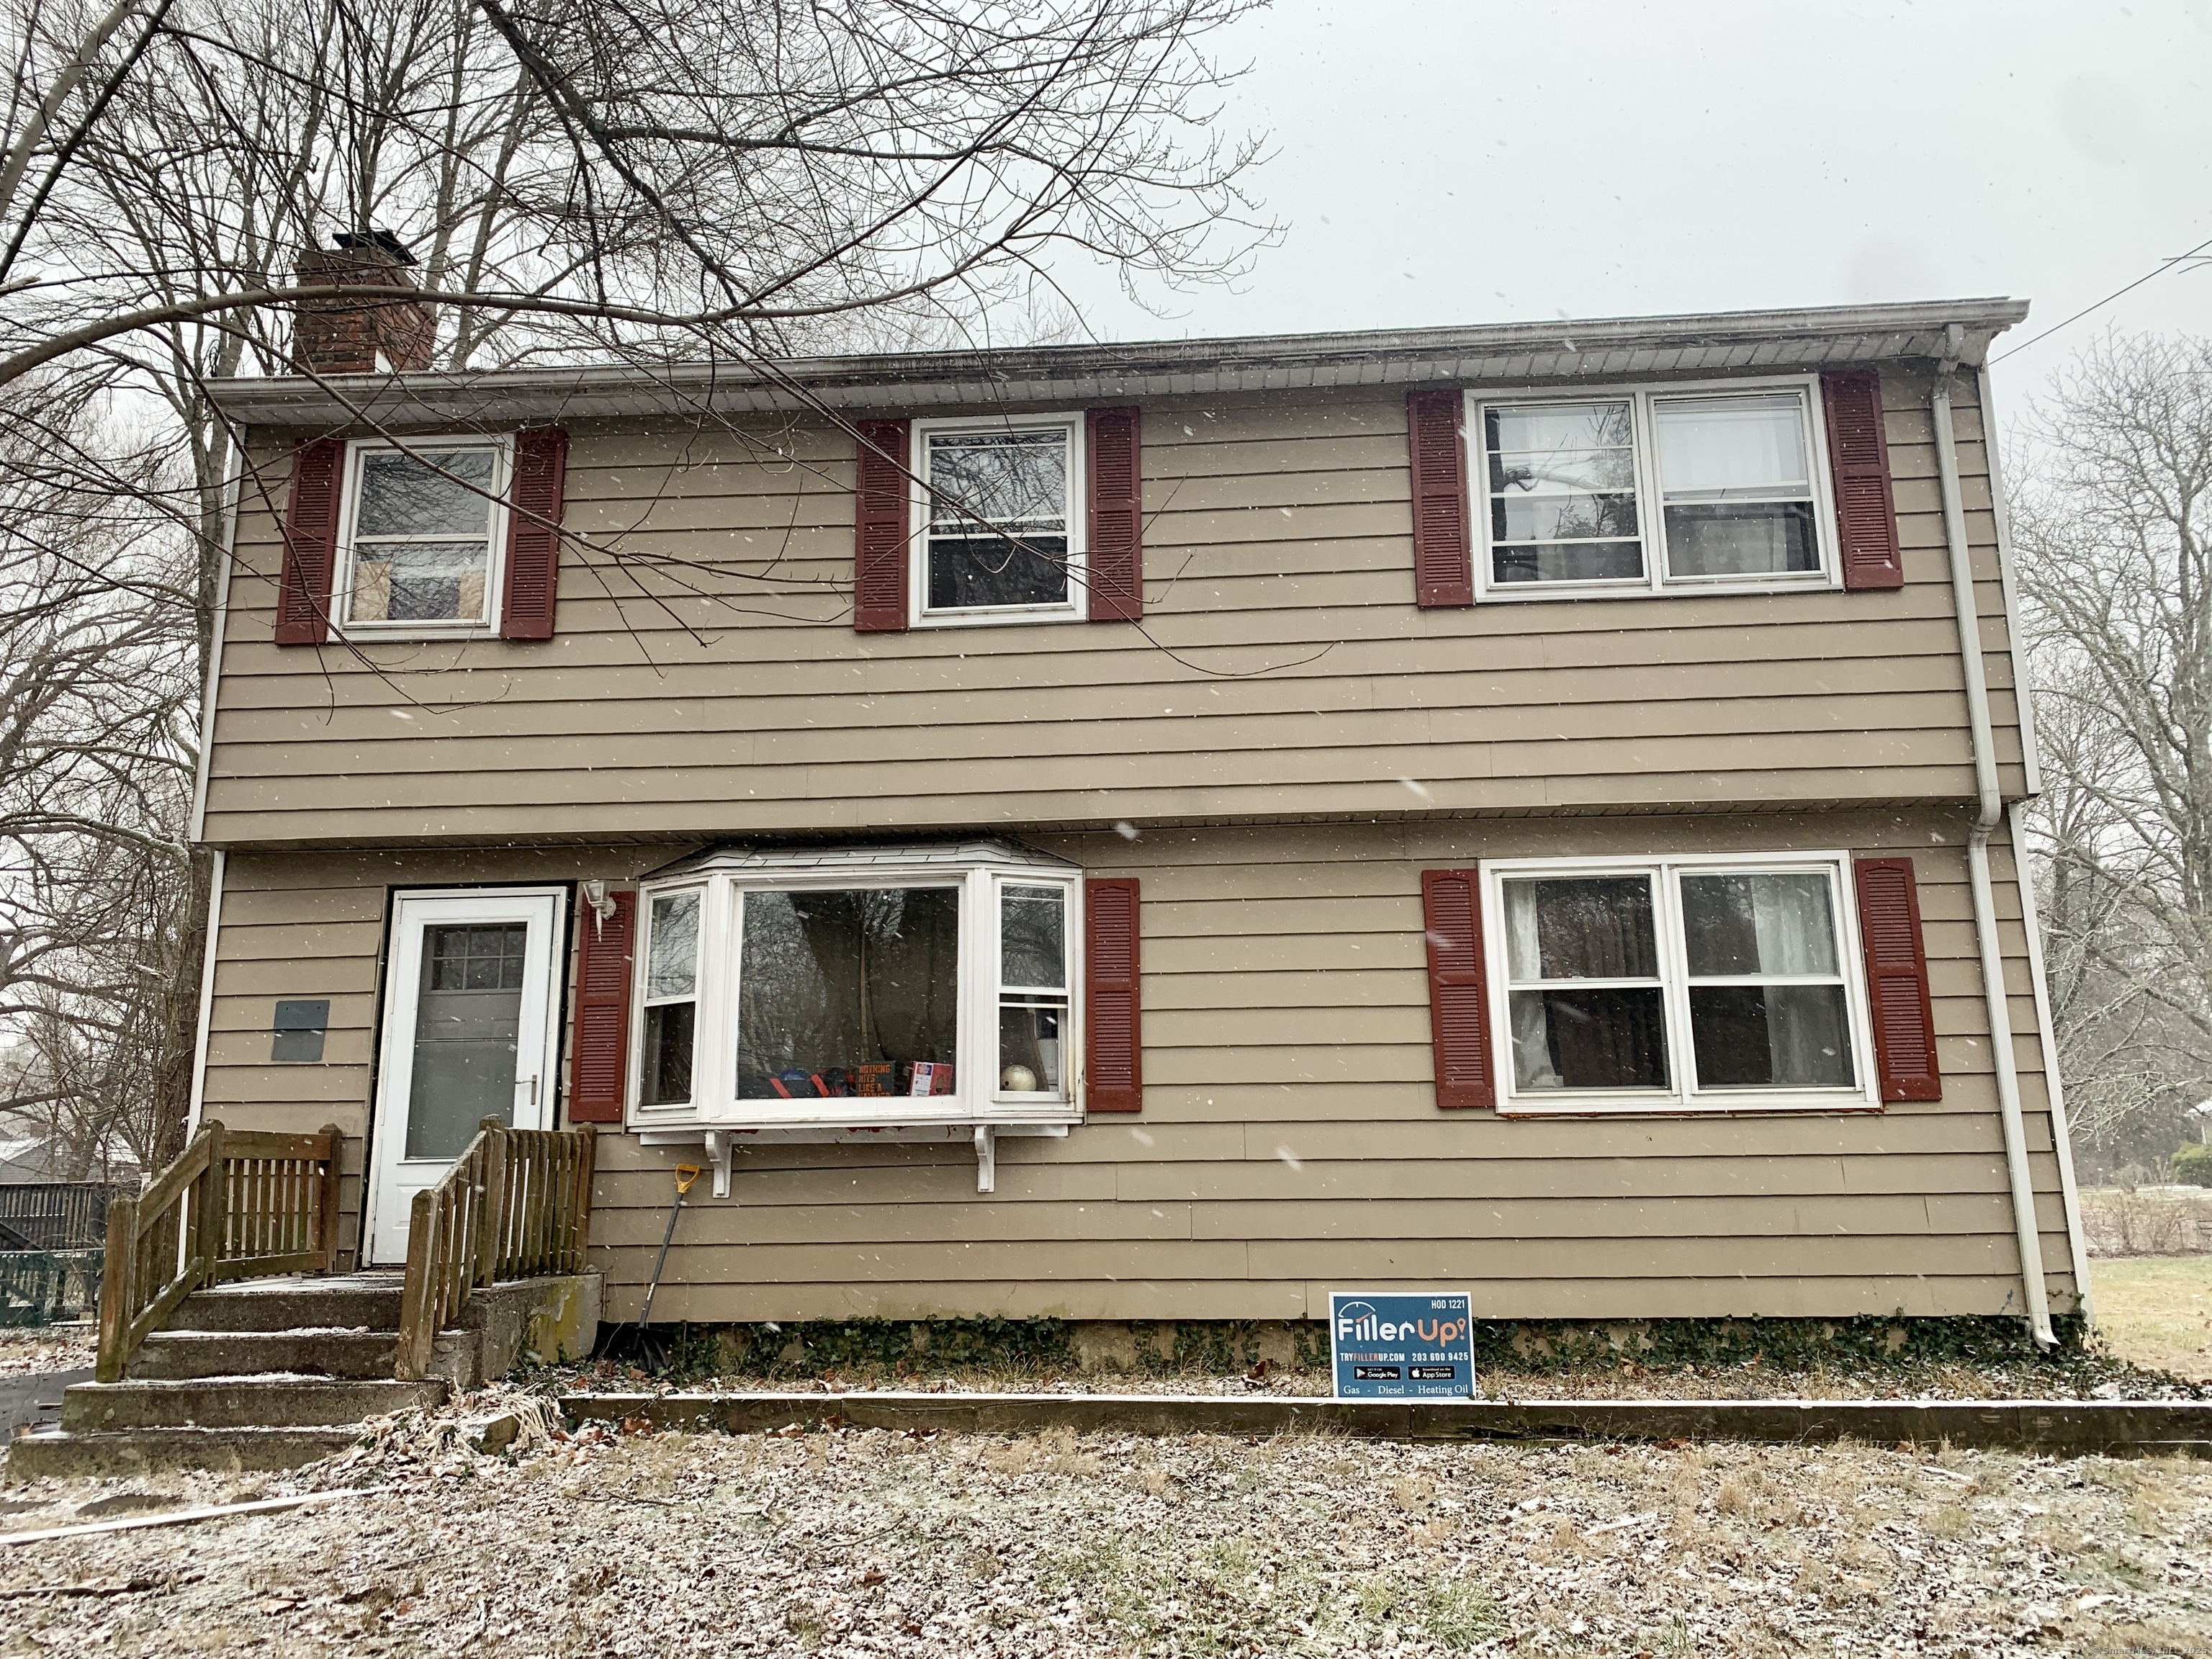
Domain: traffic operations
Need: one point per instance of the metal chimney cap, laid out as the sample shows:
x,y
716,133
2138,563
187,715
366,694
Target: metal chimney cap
x,y
381,241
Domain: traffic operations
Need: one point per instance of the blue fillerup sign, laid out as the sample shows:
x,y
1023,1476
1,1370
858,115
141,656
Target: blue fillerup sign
x,y
1392,1346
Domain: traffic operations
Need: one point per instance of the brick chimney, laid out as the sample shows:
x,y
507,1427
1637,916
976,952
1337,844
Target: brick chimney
x,y
366,336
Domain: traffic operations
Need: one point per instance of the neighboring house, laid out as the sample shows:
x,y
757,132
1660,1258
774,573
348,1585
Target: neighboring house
x,y
1515,807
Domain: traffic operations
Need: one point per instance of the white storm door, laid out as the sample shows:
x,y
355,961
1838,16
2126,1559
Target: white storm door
x,y
470,1031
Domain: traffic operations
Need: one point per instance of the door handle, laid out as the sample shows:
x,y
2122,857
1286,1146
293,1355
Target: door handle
x,y
532,1081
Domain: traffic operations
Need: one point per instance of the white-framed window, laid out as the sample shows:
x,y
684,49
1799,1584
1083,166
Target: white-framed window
x,y
422,526
1674,489
1702,982
867,988
1001,528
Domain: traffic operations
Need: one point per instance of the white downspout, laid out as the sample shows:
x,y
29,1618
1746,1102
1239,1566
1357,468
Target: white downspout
x,y
207,998
1989,813
2069,1194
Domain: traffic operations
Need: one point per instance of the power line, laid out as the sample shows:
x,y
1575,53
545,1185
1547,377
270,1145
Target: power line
x,y
2164,266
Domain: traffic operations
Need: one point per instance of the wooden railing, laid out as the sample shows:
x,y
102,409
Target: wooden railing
x,y
238,1204
516,1205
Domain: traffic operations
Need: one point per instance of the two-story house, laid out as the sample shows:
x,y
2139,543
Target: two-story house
x,y
1160,831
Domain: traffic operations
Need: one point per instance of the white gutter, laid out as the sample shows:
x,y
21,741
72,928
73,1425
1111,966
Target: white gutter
x,y
2077,1247
1989,813
207,997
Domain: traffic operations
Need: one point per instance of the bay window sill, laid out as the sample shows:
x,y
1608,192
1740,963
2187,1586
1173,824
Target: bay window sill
x,y
721,1142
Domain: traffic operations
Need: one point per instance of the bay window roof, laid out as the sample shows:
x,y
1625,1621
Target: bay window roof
x,y
739,858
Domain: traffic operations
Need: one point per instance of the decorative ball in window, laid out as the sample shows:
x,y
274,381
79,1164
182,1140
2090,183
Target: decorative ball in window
x,y
1018,1080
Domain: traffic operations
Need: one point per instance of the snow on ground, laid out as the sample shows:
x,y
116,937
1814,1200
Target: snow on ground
x,y
871,1541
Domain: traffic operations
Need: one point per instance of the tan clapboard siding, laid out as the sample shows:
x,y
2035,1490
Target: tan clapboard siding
x,y
1278,538
1289,1140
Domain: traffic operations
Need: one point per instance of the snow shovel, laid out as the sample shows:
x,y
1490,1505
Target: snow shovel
x,y
640,1343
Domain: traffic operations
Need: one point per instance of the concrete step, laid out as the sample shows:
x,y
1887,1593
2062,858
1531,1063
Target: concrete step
x,y
61,1454
180,1356
340,1301
234,1403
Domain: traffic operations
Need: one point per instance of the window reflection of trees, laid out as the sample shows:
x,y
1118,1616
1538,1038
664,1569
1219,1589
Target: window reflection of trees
x,y
832,980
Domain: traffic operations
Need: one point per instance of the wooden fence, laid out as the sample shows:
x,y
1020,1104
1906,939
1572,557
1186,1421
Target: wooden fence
x,y
238,1204
516,1205
54,1215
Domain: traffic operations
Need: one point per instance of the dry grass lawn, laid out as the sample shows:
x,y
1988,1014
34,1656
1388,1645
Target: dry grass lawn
x,y
951,1546
2156,1311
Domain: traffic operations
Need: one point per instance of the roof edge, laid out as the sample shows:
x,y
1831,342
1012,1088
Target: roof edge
x,y
918,379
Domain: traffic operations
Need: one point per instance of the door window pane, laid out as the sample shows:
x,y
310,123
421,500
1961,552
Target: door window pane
x,y
1736,476
467,1014
844,993
1011,482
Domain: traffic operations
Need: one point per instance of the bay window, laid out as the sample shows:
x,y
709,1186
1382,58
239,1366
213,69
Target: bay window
x,y
1660,489
857,988
1670,984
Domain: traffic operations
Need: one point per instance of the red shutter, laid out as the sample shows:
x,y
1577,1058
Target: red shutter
x,y
534,533
1858,464
1115,520
1114,1079
879,528
310,543
1897,979
1444,570
599,1073
1459,1000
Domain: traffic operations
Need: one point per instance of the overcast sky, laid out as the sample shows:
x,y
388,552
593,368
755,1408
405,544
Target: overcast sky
x,y
1438,163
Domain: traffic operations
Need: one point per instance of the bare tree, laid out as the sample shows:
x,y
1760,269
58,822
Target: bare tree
x,y
96,754
2112,524
643,182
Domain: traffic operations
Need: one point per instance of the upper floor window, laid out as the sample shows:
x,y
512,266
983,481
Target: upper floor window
x,y
1653,489
1002,517
420,530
